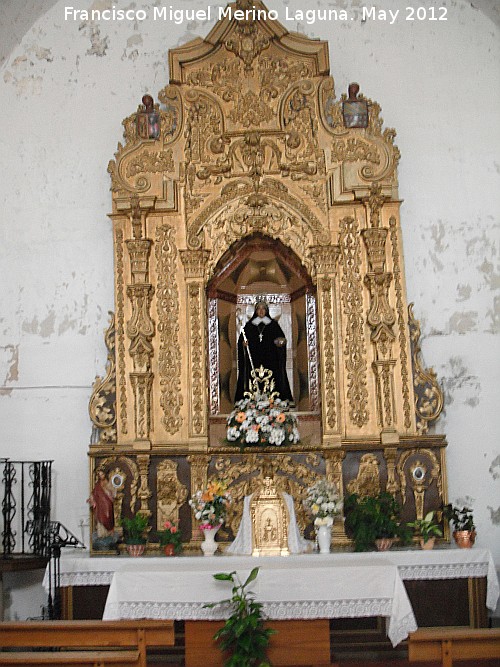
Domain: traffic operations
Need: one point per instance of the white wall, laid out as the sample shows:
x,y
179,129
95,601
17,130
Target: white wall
x,y
64,91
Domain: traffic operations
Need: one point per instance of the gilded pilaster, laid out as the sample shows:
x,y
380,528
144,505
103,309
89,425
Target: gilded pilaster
x,y
199,477
333,473
144,493
194,262
402,327
169,348
381,317
354,338
325,260
140,328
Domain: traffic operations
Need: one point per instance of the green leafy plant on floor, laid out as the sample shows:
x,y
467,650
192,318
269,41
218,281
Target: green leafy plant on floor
x,y
243,634
370,518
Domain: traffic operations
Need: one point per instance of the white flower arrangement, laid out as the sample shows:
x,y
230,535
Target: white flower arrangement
x,y
262,421
323,502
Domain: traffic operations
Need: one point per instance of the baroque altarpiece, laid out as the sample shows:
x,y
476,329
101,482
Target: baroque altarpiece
x,y
245,179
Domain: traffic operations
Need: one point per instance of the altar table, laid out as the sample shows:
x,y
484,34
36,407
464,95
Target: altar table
x,y
345,584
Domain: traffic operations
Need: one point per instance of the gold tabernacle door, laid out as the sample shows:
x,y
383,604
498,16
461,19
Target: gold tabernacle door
x,y
270,520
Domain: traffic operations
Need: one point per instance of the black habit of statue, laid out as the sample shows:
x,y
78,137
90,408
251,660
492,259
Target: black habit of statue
x,y
261,342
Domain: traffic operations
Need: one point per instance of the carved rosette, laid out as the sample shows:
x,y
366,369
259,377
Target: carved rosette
x,y
354,340
194,262
102,404
169,353
428,394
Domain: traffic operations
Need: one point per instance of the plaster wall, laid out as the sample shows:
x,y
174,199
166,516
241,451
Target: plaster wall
x,y
64,90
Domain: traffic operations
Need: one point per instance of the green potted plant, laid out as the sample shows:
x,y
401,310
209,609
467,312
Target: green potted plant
x,y
170,539
427,529
133,533
374,521
464,532
243,635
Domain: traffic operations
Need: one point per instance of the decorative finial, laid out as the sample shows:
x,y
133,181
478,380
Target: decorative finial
x,y
354,110
148,119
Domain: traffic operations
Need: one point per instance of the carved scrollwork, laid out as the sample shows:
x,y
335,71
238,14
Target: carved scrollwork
x,y
429,398
367,481
354,341
150,162
402,332
171,494
373,146
102,404
169,355
245,475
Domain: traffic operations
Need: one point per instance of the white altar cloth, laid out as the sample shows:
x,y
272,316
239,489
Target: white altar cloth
x,y
77,568
296,587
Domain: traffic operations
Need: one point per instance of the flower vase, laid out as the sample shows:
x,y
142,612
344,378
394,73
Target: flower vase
x,y
465,538
169,549
135,550
429,544
383,543
324,535
209,545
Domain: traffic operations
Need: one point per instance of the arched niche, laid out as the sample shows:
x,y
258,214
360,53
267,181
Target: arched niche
x,y
258,264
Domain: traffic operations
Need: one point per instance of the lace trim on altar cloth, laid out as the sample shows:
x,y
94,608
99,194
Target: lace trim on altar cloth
x,y
456,571
86,578
306,610
447,571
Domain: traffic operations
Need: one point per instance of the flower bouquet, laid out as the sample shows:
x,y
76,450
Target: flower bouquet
x,y
170,535
260,422
210,506
323,502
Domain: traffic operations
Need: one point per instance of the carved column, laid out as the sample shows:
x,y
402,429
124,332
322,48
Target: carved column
x,y
194,262
140,328
381,318
333,470
325,269
144,494
199,477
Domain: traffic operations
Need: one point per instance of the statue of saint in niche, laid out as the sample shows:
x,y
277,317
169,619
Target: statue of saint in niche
x,y
262,343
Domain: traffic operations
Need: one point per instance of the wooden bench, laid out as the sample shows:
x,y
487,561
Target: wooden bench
x,y
449,644
126,641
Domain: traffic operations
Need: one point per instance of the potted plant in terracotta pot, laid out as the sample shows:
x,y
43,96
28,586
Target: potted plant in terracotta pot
x,y
133,533
464,532
427,529
170,539
374,521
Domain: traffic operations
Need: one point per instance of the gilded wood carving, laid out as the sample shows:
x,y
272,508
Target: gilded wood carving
x,y
252,145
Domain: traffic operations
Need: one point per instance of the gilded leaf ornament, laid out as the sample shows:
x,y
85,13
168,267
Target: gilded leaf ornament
x,y
428,394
